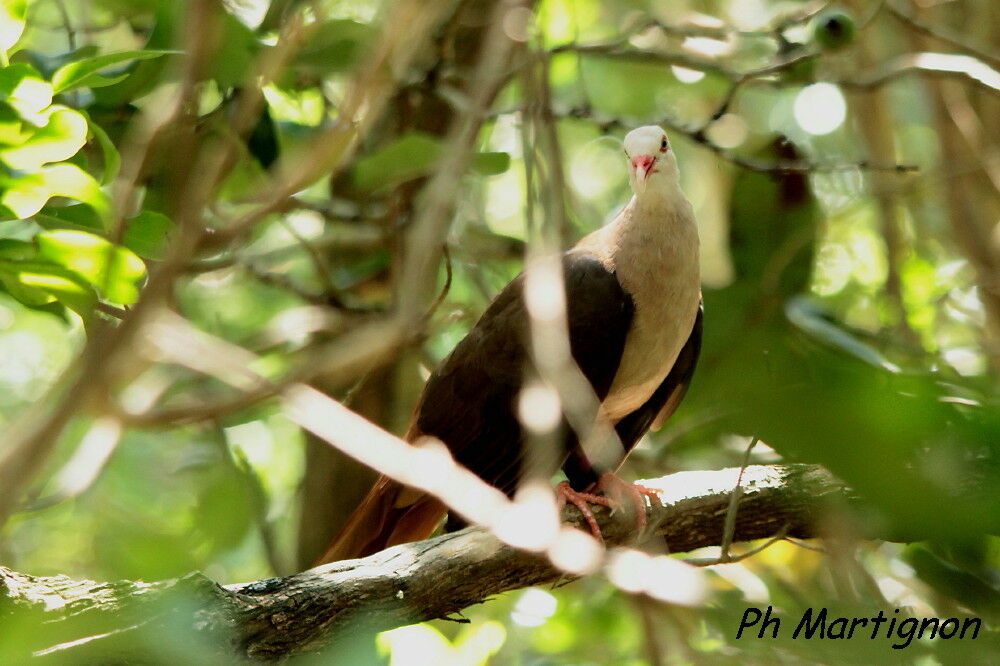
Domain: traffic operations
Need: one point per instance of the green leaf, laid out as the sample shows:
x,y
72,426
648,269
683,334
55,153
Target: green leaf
x,y
12,15
75,216
18,250
807,317
490,164
116,272
25,194
413,155
63,286
24,89
238,48
148,234
84,73
59,139
36,283
112,159
30,296
334,46
12,129
407,157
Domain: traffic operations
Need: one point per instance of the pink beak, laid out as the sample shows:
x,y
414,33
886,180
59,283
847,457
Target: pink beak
x,y
643,165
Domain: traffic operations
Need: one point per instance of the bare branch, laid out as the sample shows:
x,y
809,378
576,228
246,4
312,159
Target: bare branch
x,y
699,137
333,604
944,35
929,64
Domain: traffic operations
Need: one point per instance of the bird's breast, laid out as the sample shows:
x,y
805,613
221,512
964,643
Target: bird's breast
x,y
660,271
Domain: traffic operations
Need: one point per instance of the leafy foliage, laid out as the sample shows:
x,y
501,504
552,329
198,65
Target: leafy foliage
x,y
840,329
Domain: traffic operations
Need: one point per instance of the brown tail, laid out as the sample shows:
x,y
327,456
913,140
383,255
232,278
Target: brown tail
x,y
390,514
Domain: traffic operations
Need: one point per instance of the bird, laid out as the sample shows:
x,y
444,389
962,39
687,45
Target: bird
x,y
634,315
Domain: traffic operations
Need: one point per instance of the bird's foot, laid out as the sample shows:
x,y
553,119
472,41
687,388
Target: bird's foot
x,y
616,492
565,493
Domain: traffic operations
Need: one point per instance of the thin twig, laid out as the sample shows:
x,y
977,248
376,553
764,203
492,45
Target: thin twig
x,y
956,41
699,137
731,559
729,528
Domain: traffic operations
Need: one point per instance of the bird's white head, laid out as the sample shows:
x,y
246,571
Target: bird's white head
x,y
652,165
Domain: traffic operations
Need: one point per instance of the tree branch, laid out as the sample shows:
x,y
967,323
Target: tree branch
x,y
332,605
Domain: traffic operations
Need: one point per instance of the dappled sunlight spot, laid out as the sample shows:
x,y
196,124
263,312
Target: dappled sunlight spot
x,y
897,593
539,408
675,582
729,131
423,645
249,12
533,608
427,466
839,190
595,168
543,292
707,46
26,195
415,645
561,20
30,97
479,643
833,269
216,279
576,552
62,136
305,223
531,522
753,588
869,262
305,107
295,325
431,462
504,194
90,456
627,570
23,355
683,485
970,303
897,567
504,137
253,439
143,393
820,108
685,75
966,361
960,64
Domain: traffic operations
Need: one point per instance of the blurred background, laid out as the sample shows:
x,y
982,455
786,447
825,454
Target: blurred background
x,y
843,161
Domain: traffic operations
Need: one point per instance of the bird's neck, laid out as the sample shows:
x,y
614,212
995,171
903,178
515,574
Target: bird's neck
x,y
655,229
660,197
661,211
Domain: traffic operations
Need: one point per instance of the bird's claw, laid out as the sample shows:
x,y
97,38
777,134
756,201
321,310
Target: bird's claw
x,y
565,493
611,484
615,490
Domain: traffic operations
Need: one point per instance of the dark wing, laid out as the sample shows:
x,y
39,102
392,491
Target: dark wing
x,y
657,409
668,395
469,402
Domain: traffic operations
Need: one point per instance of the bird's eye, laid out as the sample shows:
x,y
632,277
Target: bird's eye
x,y
663,145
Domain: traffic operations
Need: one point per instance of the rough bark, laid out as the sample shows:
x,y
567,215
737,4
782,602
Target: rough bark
x,y
333,605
